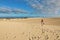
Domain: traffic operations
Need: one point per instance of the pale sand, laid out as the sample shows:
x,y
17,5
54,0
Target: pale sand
x,y
30,29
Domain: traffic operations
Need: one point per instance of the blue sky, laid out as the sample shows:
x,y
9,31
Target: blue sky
x,y
19,4
15,4
27,8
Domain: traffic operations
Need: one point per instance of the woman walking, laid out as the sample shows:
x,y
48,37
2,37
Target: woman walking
x,y
42,22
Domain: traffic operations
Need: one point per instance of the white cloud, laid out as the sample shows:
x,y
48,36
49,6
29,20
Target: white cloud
x,y
16,10
45,6
5,10
12,10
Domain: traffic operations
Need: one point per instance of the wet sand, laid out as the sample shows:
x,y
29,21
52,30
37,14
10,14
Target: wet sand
x,y
30,29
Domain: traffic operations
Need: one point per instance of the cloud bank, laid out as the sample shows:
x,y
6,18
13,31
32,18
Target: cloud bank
x,y
12,10
45,6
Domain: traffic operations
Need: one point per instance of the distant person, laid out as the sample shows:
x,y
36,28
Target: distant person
x,y
42,22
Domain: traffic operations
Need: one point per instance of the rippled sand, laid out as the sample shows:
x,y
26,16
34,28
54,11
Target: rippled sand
x,y
30,29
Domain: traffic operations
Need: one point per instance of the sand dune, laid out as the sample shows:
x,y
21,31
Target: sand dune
x,y
30,29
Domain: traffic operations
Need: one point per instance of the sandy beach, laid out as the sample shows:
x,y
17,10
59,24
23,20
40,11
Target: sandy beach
x,y
30,29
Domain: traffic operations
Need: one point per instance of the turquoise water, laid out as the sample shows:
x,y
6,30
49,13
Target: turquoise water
x,y
25,15
18,15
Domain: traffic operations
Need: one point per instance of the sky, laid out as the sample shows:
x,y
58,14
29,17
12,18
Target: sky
x,y
29,8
